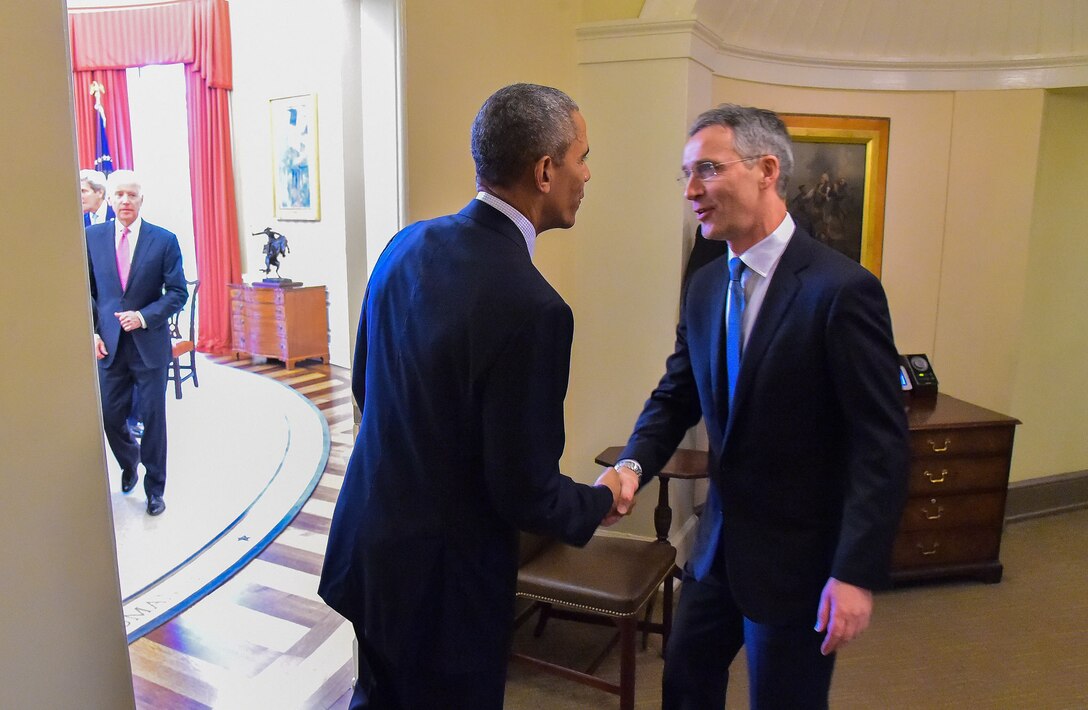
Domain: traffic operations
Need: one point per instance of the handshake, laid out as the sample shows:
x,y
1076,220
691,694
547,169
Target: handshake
x,y
623,482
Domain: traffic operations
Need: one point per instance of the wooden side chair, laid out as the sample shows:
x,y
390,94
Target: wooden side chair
x,y
611,582
184,346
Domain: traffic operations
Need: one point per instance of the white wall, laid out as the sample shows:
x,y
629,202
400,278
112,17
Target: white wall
x,y
1050,385
62,636
284,48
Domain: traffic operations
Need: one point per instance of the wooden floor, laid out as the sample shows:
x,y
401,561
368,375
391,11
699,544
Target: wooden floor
x,y
264,639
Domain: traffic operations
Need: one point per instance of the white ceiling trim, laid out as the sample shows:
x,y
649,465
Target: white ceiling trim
x,y
640,40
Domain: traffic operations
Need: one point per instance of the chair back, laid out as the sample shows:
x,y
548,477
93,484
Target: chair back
x,y
175,329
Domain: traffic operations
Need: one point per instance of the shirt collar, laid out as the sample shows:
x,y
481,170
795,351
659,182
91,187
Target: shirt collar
x,y
133,229
520,221
762,257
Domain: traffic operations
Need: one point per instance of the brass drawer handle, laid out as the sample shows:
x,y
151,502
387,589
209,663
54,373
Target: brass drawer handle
x,y
931,551
936,478
933,516
939,449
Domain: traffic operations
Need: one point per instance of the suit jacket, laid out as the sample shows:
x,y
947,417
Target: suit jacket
x,y
809,471
460,372
109,215
156,288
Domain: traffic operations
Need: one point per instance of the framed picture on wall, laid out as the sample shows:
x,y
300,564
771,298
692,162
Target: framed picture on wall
x,y
295,174
840,177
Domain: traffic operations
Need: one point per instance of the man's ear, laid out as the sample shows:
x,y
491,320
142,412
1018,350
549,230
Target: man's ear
x,y
542,173
768,165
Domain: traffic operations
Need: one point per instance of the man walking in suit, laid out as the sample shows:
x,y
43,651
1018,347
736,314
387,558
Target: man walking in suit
x,y
92,196
460,371
137,283
785,349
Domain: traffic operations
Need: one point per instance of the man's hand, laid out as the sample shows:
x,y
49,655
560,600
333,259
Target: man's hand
x,y
625,500
99,347
130,320
611,480
844,612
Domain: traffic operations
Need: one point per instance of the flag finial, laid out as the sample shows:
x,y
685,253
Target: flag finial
x,y
96,91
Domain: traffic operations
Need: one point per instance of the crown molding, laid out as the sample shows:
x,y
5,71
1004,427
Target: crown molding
x,y
642,40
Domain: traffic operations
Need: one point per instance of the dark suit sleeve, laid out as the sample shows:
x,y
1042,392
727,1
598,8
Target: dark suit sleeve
x,y
523,434
672,409
94,288
175,293
865,373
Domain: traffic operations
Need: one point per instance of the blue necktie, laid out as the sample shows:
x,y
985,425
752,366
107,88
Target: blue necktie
x,y
734,337
710,530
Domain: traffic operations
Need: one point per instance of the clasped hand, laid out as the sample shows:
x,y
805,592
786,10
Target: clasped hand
x,y
624,485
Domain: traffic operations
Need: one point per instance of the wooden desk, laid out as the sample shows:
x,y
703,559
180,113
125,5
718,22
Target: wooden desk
x,y
958,480
287,323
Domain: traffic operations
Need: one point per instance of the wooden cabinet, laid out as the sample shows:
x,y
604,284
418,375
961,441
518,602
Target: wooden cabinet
x,y
959,476
286,323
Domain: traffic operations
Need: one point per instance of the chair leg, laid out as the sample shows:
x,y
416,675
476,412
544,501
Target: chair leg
x,y
177,378
628,642
666,613
192,367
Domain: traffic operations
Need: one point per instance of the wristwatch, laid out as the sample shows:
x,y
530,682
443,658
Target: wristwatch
x,y
631,464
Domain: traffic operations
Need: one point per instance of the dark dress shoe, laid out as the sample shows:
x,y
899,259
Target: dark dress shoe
x,y
155,505
128,481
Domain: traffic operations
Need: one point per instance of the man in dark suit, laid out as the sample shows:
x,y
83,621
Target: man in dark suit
x,y
92,197
460,371
137,283
808,452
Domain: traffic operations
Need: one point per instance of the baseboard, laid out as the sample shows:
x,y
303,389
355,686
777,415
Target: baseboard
x,y
1047,495
682,538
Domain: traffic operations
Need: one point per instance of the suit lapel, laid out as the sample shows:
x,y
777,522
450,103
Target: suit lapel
x,y
719,378
143,245
781,293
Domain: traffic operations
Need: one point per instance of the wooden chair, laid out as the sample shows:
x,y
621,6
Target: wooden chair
x,y
609,582
184,346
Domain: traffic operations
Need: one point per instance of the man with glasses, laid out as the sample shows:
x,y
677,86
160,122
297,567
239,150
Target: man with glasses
x,y
785,349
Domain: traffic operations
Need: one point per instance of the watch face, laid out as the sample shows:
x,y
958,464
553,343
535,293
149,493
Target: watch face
x,y
919,363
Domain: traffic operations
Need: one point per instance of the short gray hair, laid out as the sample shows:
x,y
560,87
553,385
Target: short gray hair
x,y
518,125
95,179
123,177
756,131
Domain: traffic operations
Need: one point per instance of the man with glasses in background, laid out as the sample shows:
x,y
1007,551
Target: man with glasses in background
x,y
785,350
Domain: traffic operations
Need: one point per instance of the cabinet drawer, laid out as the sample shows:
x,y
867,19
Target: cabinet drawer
x,y
943,547
937,476
957,442
943,512
263,295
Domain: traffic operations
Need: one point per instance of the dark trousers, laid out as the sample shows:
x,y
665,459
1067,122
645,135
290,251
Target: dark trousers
x,y
116,386
380,686
785,667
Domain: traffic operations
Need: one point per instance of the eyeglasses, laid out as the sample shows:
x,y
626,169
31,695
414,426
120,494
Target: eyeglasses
x,y
709,170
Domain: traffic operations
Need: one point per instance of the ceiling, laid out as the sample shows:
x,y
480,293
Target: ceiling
x,y
974,43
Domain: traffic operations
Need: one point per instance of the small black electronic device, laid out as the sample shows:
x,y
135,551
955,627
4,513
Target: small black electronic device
x,y
916,374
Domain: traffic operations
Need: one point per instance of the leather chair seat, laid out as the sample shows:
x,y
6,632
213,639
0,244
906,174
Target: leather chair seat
x,y
610,575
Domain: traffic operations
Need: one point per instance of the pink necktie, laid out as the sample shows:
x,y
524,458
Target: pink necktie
x,y
123,259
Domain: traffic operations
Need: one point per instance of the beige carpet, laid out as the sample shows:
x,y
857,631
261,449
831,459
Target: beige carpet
x,y
1022,643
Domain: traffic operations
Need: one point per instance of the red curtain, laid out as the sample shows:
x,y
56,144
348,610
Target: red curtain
x,y
115,104
195,33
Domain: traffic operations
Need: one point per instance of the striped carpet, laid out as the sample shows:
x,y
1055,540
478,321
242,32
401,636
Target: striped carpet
x,y
264,639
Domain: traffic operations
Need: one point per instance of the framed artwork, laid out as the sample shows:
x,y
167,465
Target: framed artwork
x,y
840,177
295,183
